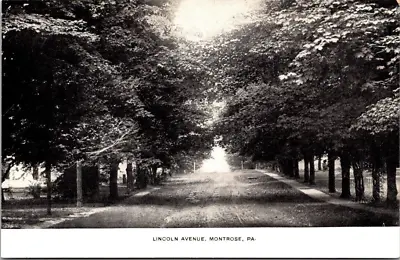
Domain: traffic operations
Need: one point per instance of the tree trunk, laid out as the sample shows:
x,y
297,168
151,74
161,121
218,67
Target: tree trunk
x,y
306,169
164,174
319,163
154,174
377,168
5,171
281,166
312,170
129,175
391,163
358,179
79,197
48,181
345,164
35,172
285,166
138,177
142,180
331,173
96,191
275,166
114,180
290,163
296,169
292,167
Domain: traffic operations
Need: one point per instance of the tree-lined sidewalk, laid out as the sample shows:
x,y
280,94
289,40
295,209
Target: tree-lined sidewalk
x,y
317,192
318,78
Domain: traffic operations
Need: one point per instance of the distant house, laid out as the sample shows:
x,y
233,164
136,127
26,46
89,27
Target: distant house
x,y
21,177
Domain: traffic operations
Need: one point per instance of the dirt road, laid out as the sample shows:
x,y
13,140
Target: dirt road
x,y
232,199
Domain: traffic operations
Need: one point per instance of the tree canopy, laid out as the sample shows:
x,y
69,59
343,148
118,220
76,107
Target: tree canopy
x,y
104,73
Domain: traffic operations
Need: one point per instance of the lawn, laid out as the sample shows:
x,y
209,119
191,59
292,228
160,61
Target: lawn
x,y
28,217
22,211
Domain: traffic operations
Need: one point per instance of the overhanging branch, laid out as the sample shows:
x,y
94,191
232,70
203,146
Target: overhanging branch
x,y
117,142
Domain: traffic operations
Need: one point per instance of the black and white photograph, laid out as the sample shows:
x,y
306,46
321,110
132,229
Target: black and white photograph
x,y
192,124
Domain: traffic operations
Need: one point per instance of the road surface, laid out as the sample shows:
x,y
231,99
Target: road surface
x,y
232,199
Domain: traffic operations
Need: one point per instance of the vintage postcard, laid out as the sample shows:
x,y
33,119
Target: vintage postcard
x,y
200,128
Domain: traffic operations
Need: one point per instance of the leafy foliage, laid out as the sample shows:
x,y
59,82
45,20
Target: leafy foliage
x,y
316,77
96,80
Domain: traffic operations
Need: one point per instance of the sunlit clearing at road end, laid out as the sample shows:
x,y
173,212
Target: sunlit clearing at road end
x,y
217,162
203,19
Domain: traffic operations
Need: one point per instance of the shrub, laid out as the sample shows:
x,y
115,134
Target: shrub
x,y
34,190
